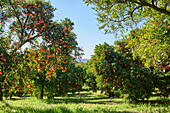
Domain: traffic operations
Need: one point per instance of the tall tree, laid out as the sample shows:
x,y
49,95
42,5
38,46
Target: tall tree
x,y
52,64
21,22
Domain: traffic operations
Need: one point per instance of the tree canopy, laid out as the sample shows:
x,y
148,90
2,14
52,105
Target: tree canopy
x,y
50,57
115,15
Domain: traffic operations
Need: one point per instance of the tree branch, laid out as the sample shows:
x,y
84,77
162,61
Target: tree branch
x,y
152,2
22,33
131,14
16,13
32,38
125,1
32,30
144,3
121,1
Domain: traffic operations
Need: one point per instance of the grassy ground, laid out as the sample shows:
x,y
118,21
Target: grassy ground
x,y
86,102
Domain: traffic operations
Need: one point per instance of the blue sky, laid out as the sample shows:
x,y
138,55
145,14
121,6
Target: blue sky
x,y
86,25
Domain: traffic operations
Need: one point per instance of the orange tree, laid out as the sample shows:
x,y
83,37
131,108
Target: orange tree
x,y
17,81
107,65
90,79
68,77
53,67
116,69
136,77
21,23
102,68
152,43
55,76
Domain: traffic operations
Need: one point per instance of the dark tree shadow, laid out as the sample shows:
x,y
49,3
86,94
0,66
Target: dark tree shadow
x,y
83,95
82,100
154,102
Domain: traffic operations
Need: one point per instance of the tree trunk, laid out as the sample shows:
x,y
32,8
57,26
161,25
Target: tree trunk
x,y
1,93
111,94
42,92
11,95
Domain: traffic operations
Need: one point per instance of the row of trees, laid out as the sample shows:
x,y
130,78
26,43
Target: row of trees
x,y
142,61
116,69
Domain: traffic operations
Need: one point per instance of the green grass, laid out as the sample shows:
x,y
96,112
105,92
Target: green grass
x,y
86,102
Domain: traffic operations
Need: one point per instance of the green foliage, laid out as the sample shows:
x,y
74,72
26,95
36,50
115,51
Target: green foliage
x,y
136,77
115,15
152,43
148,39
90,77
115,68
5,1
102,68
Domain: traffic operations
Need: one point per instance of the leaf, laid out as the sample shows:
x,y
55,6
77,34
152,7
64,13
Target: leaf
x,y
5,1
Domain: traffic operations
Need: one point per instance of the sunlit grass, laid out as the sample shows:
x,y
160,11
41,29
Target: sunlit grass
x,y
86,102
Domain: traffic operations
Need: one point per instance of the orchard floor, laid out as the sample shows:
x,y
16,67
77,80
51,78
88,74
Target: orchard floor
x,y
86,102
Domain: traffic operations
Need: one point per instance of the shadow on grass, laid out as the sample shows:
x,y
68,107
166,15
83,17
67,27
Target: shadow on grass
x,y
105,100
83,100
83,95
159,101
17,98
11,109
